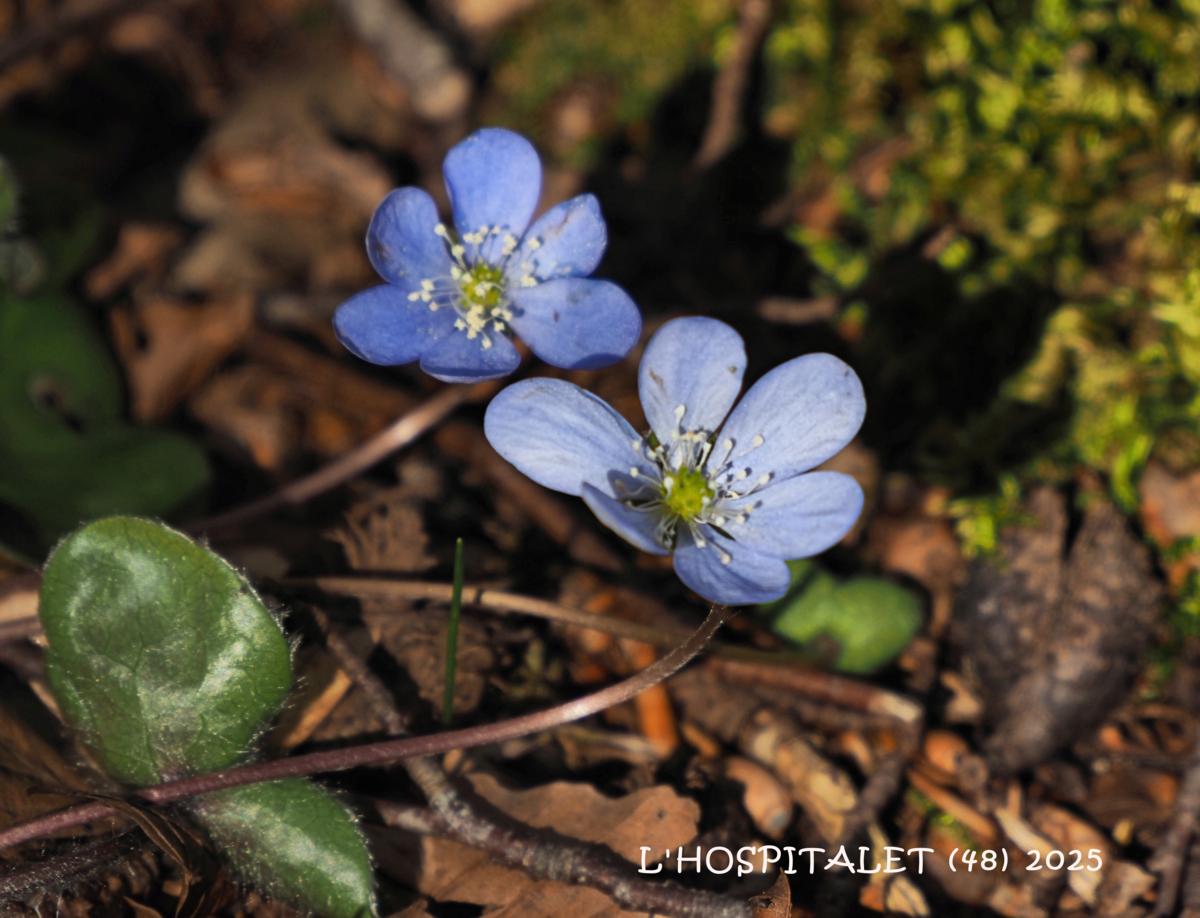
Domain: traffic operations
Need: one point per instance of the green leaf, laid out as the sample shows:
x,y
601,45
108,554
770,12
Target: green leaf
x,y
66,454
869,620
160,653
295,841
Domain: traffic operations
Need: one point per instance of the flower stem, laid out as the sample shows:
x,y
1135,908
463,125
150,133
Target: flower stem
x,y
452,635
384,752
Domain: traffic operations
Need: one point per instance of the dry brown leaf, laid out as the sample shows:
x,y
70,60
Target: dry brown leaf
x,y
924,548
654,816
1124,883
776,902
141,251
291,399
282,198
169,346
249,406
1170,503
1170,511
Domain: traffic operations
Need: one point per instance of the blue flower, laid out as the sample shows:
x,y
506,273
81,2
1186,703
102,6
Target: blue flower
x,y
454,295
727,490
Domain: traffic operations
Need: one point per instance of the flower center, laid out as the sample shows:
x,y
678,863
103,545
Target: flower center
x,y
482,287
692,481
686,492
477,286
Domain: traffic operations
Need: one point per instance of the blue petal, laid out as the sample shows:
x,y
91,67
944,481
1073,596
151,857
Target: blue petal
x,y
637,527
804,411
459,359
577,323
401,242
694,362
494,178
383,326
568,240
799,517
562,436
749,577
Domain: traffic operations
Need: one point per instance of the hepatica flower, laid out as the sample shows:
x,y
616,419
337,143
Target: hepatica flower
x,y
455,294
726,489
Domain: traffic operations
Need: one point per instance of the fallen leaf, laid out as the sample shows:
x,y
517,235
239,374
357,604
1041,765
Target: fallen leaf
x,y
169,346
141,250
776,902
1170,512
655,816
1170,503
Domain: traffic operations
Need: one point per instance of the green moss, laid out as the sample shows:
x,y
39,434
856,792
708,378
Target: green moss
x,y
978,520
630,50
1052,143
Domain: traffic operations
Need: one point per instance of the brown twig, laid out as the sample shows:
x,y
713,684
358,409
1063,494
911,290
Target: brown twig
x,y
503,602
396,436
544,854
361,675
729,87
386,751
1169,858
823,686
548,855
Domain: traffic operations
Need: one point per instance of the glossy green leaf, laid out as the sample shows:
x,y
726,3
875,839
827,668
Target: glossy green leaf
x,y
66,455
867,620
160,653
297,842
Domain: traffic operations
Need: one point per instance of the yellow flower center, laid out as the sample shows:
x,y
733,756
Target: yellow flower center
x,y
482,287
685,493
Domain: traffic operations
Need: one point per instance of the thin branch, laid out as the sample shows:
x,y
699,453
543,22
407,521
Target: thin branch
x,y
549,855
729,87
545,854
386,751
399,434
828,687
503,602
